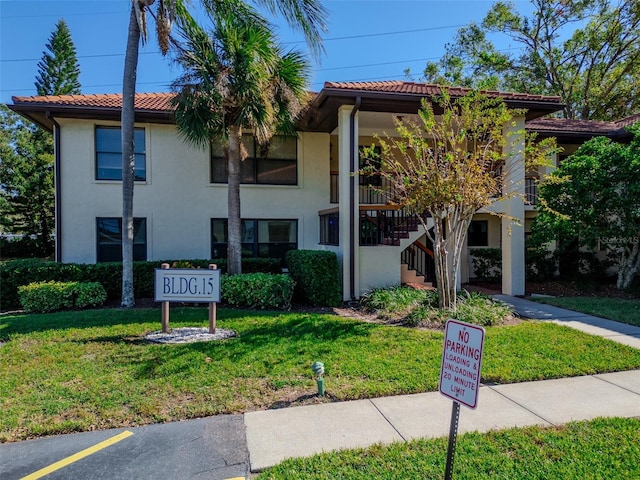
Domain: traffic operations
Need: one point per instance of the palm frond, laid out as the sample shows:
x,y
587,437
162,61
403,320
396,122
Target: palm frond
x,y
307,16
236,74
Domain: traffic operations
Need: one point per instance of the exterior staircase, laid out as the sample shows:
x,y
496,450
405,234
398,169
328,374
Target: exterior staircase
x,y
411,277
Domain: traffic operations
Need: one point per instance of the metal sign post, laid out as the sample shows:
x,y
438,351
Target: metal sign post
x,y
453,435
460,375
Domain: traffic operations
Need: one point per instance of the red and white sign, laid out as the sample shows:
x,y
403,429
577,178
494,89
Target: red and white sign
x,y
461,362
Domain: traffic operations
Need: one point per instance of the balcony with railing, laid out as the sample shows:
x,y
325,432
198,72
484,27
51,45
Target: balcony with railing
x,y
381,225
373,189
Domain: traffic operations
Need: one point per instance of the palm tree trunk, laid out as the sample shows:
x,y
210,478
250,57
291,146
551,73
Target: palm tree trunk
x,y
234,242
128,157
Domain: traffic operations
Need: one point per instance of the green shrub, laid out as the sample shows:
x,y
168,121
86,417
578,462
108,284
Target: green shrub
x,y
317,276
15,273
540,264
389,301
420,307
487,263
258,290
53,296
88,295
480,310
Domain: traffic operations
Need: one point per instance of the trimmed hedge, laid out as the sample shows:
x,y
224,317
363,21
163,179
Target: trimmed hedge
x,y
317,276
22,272
258,290
53,296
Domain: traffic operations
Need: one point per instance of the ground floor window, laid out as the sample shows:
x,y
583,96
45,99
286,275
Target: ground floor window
x,y
478,234
330,229
260,238
109,235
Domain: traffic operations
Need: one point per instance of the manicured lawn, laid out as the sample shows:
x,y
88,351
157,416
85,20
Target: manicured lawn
x,y
602,448
619,309
77,371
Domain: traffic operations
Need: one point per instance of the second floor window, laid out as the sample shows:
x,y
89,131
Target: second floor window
x,y
109,154
275,164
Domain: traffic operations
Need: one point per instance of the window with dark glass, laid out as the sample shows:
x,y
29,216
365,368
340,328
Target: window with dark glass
x,y
260,238
109,231
109,154
478,234
330,229
272,164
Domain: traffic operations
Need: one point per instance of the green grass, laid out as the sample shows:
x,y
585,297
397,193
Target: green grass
x,y
602,448
84,370
619,309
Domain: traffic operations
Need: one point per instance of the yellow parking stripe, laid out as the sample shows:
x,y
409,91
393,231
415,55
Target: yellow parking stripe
x,y
80,455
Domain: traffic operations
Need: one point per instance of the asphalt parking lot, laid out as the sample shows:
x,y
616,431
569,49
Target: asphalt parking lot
x,y
212,448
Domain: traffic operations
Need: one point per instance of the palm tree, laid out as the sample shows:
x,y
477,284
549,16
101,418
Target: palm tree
x,y
236,77
305,15
137,31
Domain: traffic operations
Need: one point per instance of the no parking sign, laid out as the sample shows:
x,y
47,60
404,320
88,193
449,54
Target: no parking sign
x,y
460,375
461,362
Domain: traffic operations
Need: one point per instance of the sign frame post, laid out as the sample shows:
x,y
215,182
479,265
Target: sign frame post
x,y
165,307
187,285
212,307
462,353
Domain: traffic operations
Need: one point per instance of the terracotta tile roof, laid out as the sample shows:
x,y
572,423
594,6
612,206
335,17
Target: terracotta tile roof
x,y
428,89
158,102
625,122
575,126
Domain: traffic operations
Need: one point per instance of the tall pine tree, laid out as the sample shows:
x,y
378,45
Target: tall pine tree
x,y
58,71
27,194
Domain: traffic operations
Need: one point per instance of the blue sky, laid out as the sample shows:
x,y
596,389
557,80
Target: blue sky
x,y
366,40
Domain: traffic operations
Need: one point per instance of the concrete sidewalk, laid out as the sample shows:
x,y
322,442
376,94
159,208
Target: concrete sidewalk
x,y
275,435
616,331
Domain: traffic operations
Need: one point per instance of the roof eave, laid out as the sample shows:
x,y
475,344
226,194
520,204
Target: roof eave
x,y
330,98
37,113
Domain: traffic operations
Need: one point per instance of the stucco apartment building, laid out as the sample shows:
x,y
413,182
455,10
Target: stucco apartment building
x,y
305,194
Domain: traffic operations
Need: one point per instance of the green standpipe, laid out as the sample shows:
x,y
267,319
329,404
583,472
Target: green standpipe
x,y
318,371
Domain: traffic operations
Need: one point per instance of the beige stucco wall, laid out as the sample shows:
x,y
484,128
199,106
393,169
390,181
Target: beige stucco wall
x,y
379,267
177,199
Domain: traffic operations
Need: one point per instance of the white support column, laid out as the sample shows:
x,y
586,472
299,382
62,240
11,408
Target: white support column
x,y
345,176
513,248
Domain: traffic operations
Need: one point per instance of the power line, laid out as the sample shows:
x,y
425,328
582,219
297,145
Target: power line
x,y
345,67
100,55
170,81
382,34
349,37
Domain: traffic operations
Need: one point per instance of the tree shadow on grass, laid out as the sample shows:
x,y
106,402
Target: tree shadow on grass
x,y
23,323
265,345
